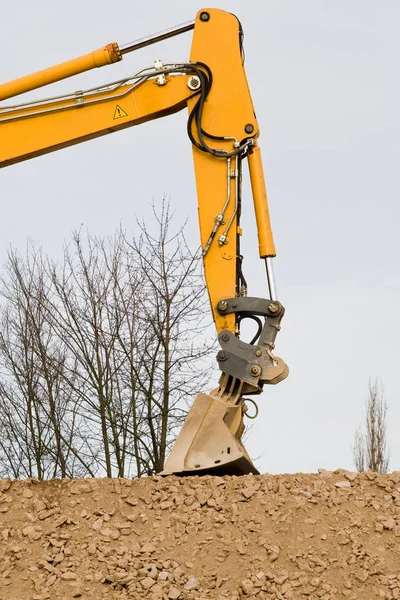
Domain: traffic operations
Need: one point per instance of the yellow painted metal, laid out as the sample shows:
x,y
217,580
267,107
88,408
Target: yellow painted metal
x,y
265,240
98,58
36,130
33,130
228,109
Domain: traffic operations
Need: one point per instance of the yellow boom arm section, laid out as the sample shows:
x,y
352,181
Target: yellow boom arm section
x,y
223,129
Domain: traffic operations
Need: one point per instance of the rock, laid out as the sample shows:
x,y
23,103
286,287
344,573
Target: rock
x,y
203,495
147,582
378,527
131,501
248,493
389,523
323,473
247,586
191,584
174,594
305,494
80,488
114,534
147,548
60,521
68,576
98,524
362,576
45,514
240,548
280,579
33,532
5,484
351,476
343,484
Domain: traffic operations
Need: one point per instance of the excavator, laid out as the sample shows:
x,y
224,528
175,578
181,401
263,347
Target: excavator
x,y
223,131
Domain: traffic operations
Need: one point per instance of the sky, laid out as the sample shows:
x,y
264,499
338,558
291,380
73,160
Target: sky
x,y
323,77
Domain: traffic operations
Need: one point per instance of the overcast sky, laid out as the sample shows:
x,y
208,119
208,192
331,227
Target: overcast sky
x,y
325,85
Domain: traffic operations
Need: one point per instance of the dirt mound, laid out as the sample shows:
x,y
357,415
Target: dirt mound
x,y
326,536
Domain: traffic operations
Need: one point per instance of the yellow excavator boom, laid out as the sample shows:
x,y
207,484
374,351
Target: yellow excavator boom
x,y
223,129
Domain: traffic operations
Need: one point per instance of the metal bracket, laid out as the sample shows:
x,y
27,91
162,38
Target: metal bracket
x,y
252,364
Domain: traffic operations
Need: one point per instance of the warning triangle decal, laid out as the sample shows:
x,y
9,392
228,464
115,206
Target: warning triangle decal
x,y
119,112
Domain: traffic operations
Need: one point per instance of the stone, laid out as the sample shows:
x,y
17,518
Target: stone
x,y
247,586
114,534
350,475
5,484
248,493
148,548
147,582
305,494
68,576
362,576
389,523
60,521
203,495
191,584
98,524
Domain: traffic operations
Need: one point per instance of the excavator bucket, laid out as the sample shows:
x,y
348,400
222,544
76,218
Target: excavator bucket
x,y
210,441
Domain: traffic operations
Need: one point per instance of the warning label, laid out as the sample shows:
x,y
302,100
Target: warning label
x,y
119,112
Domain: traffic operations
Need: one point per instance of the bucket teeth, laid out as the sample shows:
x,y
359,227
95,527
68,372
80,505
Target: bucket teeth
x,y
210,441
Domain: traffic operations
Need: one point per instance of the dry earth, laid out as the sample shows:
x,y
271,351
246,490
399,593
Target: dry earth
x,y
323,536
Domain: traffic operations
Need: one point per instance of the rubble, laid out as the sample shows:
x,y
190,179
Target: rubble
x,y
322,536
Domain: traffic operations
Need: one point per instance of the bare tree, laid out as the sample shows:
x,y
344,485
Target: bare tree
x,y
177,351
101,354
36,415
370,443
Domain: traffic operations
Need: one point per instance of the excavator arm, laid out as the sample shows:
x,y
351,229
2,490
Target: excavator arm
x,y
223,129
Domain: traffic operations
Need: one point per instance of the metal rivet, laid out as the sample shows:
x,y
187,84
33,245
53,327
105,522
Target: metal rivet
x,y
204,16
249,128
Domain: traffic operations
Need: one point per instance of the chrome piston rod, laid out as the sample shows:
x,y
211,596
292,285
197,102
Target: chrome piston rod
x,y
271,278
157,37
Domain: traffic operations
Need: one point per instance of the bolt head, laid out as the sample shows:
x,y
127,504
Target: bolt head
x,y
258,352
223,305
204,16
249,128
225,337
221,355
255,370
274,308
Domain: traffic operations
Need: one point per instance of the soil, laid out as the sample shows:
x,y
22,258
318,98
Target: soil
x,y
321,536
